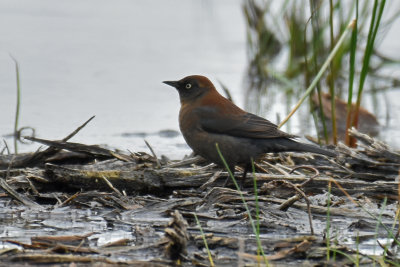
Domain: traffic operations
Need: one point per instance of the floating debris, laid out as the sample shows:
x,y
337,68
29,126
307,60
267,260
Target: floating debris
x,y
62,201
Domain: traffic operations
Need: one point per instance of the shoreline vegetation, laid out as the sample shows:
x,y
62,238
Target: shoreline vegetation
x,y
299,208
299,50
291,201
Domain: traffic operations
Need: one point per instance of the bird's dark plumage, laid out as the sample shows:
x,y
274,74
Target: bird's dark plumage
x,y
207,118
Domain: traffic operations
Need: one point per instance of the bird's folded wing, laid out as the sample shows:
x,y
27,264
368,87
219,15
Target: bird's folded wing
x,y
240,125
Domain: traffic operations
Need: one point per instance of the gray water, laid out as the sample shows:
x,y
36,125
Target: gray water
x,y
80,58
109,58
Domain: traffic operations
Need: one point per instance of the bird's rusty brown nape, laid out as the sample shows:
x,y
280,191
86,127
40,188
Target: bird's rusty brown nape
x,y
206,118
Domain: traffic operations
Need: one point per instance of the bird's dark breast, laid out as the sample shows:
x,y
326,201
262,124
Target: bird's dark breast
x,y
235,150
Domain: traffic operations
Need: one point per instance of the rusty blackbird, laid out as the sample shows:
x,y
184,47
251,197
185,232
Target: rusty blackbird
x,y
206,118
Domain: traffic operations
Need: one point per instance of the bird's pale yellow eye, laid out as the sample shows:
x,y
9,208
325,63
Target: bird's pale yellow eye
x,y
188,86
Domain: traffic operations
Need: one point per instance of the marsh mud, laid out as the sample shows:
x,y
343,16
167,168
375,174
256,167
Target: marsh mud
x,y
87,205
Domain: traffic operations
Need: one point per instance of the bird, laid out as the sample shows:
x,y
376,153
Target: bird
x,y
207,120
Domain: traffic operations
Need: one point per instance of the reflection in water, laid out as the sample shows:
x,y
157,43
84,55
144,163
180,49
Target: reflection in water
x,y
77,61
367,121
285,51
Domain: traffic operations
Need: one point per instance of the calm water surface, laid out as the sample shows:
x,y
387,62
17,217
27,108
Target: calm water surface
x,y
107,58
80,58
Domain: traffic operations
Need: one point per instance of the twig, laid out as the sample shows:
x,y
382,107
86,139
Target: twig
x,y
191,160
70,199
24,200
153,153
56,197
5,148
122,157
37,156
275,167
9,167
77,129
32,186
396,238
211,180
285,205
306,167
111,186
19,133
226,91
289,202
258,166
385,248
299,191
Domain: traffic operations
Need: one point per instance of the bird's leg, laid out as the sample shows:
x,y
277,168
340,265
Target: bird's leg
x,y
232,169
247,168
240,180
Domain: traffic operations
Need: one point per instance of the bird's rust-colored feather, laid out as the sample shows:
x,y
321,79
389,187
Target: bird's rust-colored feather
x,y
207,118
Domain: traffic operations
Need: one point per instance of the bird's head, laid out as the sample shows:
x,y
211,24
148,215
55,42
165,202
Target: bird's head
x,y
192,87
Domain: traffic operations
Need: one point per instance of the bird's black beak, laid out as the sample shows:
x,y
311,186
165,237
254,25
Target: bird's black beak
x,y
171,83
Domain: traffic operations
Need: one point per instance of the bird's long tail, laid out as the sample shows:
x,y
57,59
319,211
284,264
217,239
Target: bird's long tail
x,y
285,144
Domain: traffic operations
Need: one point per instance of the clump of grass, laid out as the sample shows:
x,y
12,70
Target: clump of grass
x,y
290,40
320,73
377,12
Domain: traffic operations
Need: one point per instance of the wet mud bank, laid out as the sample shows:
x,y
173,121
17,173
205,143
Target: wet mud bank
x,y
90,205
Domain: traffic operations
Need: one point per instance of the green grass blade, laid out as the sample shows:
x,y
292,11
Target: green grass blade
x,y
353,49
379,221
331,81
17,111
317,45
258,240
349,257
373,29
328,223
204,240
256,200
320,73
